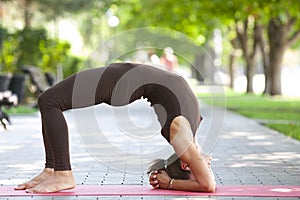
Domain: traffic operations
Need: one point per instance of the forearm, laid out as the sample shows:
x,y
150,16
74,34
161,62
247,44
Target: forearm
x,y
188,185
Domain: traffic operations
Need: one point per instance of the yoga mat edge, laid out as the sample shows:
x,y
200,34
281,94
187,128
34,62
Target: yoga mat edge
x,y
139,190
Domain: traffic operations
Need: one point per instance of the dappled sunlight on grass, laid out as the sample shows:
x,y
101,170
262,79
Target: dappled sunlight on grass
x,y
292,130
20,109
281,113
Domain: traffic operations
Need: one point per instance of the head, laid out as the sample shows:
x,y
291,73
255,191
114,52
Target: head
x,y
168,50
174,167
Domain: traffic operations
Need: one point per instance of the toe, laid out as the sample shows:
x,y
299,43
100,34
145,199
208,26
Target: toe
x,y
29,191
20,187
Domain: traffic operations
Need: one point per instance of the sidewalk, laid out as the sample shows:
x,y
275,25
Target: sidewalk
x,y
244,152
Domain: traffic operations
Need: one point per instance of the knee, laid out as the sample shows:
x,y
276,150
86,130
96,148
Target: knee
x,y
43,99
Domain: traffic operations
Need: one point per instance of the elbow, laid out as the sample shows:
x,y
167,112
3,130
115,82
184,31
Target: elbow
x,y
209,187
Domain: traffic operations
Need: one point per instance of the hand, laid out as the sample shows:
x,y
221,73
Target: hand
x,y
163,179
153,179
160,179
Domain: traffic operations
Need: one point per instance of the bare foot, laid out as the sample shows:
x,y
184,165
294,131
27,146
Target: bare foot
x,y
36,180
59,180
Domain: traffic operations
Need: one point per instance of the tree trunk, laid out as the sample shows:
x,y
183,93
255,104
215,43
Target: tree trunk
x,y
27,13
232,65
248,54
231,69
276,34
209,67
204,68
265,57
197,68
281,37
250,74
266,63
268,79
276,56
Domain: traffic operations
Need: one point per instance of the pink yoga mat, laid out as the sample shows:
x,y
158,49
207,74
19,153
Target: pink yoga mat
x,y
138,190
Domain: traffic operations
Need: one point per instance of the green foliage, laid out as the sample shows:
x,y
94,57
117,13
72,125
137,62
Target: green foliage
x,y
8,57
59,8
275,110
291,130
27,47
20,109
71,65
189,17
53,53
33,47
3,36
21,48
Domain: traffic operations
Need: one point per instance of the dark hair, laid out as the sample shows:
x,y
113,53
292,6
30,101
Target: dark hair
x,y
172,166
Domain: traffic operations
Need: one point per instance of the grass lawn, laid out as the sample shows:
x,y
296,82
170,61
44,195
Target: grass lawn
x,y
20,109
279,112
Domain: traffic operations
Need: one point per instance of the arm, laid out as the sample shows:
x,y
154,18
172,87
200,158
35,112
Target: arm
x,y
181,138
203,179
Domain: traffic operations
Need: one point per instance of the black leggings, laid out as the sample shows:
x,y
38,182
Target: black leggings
x,y
52,103
95,86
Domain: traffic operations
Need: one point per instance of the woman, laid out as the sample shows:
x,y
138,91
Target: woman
x,y
120,84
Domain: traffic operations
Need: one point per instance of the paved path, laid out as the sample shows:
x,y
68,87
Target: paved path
x,y
244,152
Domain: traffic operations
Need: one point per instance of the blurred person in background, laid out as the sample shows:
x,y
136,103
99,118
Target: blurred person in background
x,y
169,59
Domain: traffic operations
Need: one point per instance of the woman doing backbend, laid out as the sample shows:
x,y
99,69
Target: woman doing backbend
x,y
120,84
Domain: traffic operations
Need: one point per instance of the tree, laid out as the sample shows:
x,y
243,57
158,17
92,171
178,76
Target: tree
x,y
249,51
27,7
279,20
50,9
270,25
283,31
276,26
31,45
188,17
